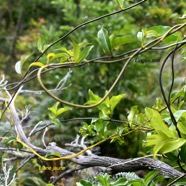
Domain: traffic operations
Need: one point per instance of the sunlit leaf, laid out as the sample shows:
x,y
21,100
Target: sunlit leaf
x,y
93,98
37,64
133,112
140,36
104,41
62,110
115,100
157,123
182,127
50,57
19,64
76,50
171,145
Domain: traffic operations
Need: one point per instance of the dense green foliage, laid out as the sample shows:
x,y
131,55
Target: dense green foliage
x,y
144,113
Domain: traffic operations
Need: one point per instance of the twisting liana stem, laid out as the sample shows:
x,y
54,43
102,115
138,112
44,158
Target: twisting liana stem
x,y
140,50
65,36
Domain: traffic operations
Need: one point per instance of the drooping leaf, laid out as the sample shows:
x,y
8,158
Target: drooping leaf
x,y
104,41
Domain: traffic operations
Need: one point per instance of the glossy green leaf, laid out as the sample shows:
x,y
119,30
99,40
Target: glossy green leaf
x,y
36,64
104,41
76,51
180,113
141,37
84,54
150,176
182,127
131,117
161,30
62,110
115,100
19,64
105,113
138,182
104,180
122,40
93,98
172,144
157,123
50,57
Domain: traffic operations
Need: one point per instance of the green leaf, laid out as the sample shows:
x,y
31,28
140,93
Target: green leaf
x,y
131,117
93,98
50,57
115,100
105,113
122,40
40,43
180,113
55,121
84,53
37,64
136,182
172,144
62,110
183,153
161,30
104,180
19,64
120,182
157,123
120,3
150,176
141,37
76,51
104,41
182,127
83,183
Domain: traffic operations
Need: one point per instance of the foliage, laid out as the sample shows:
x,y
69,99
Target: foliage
x,y
102,68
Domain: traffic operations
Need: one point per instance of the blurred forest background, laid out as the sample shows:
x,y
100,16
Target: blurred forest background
x,y
23,21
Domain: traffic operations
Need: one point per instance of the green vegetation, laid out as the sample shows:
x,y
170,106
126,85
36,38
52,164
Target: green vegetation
x,y
92,92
